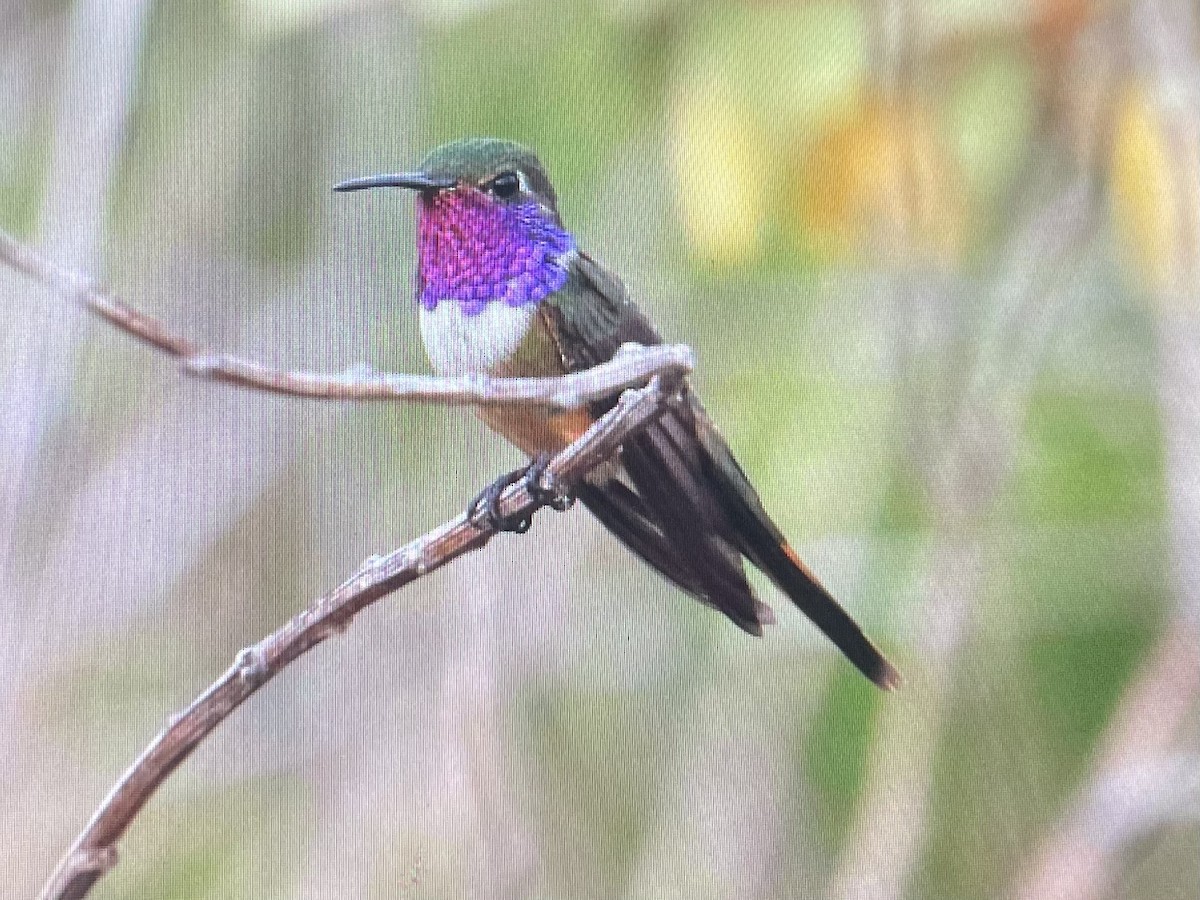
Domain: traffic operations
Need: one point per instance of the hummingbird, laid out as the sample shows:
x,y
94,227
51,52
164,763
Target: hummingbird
x,y
503,289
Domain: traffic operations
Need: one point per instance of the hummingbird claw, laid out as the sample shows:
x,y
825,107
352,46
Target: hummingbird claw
x,y
485,507
541,486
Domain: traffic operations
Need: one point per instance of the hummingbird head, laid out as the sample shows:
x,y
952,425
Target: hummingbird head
x,y
487,225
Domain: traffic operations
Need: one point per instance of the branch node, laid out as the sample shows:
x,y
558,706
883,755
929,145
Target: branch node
x,y
476,383
414,558
362,575
550,491
360,372
93,859
202,365
252,666
369,565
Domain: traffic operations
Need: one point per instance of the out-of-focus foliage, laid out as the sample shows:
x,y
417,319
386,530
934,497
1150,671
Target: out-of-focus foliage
x,y
925,252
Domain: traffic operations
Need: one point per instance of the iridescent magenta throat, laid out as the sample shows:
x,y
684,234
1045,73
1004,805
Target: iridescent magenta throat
x,y
477,250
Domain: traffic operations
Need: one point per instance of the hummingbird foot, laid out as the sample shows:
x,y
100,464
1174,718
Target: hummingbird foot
x,y
484,508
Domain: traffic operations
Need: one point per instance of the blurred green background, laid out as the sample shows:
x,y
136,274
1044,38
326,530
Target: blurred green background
x,y
939,261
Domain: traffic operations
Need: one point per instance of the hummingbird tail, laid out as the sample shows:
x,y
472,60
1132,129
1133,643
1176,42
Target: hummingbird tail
x,y
763,544
780,562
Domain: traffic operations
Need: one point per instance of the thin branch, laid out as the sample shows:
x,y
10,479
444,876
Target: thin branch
x,y
93,852
631,366
628,368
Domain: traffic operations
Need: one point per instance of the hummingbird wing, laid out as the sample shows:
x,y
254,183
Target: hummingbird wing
x,y
678,498
655,502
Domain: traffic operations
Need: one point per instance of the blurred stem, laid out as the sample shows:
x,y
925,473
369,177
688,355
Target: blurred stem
x,y
964,466
93,107
889,832
717,826
1078,858
1179,399
93,104
1130,791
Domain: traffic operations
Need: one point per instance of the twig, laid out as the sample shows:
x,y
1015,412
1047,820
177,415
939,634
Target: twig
x,y
93,852
628,368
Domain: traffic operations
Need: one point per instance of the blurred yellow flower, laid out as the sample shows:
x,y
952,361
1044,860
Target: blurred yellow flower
x,y
752,82
879,179
1156,191
722,170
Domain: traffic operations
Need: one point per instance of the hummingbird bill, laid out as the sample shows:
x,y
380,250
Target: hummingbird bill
x,y
504,289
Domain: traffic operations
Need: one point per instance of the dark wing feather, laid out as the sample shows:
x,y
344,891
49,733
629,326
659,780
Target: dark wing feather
x,y
694,514
675,525
592,316
673,489
622,512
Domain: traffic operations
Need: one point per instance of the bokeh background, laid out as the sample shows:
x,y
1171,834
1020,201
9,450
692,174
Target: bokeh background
x,y
939,260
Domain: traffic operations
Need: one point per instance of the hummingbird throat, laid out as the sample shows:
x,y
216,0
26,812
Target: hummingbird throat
x,y
475,250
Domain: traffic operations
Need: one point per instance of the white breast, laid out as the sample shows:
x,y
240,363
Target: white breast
x,y
458,344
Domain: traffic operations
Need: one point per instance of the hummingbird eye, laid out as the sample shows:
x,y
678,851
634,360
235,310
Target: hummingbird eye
x,y
505,185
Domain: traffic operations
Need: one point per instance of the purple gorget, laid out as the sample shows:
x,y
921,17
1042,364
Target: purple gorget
x,y
476,250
